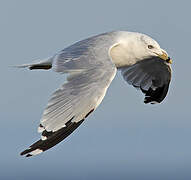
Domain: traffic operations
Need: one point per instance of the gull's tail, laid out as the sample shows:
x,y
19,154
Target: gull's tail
x,y
39,64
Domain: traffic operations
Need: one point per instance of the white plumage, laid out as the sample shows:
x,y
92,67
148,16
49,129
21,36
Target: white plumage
x,y
91,65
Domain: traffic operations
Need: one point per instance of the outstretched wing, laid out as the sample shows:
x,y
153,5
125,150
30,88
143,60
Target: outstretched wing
x,y
84,90
152,76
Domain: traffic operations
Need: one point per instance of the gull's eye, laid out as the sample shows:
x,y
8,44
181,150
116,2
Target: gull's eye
x,y
150,46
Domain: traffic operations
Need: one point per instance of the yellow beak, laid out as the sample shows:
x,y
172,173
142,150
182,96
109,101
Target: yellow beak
x,y
165,57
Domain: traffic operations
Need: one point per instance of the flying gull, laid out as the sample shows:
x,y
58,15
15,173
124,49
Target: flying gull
x,y
91,65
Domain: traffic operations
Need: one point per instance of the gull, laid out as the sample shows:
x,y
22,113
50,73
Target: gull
x,y
91,65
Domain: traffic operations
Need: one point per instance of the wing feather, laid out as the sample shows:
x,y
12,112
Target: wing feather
x,y
88,78
152,76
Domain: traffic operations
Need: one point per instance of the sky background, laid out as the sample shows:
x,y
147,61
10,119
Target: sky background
x,y
124,138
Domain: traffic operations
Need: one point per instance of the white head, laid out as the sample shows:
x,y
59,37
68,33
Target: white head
x,y
132,47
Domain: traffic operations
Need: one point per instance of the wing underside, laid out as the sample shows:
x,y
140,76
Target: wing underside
x,y
152,76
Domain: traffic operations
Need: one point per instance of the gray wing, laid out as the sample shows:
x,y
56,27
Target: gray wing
x,y
87,82
152,76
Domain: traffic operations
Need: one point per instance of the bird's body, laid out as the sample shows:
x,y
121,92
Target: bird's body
x,y
91,65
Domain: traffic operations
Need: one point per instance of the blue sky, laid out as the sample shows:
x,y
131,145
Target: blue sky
x,y
123,138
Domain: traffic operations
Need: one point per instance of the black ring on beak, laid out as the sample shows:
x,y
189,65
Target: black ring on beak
x,y
168,60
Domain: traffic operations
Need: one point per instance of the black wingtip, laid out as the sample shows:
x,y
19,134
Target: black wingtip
x,y
28,155
53,138
25,152
157,95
